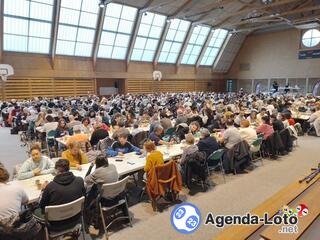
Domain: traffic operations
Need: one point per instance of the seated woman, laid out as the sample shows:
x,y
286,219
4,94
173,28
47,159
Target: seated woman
x,y
104,173
154,157
190,148
12,200
62,129
36,165
97,135
86,126
247,133
100,124
75,155
195,128
253,118
265,127
122,146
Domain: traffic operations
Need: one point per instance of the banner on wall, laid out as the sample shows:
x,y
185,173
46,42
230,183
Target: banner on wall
x,y
309,54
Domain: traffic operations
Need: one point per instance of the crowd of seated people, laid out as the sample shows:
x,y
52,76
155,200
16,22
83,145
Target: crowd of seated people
x,y
210,122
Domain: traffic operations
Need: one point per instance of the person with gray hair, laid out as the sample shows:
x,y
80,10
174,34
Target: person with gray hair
x,y
207,143
190,147
155,135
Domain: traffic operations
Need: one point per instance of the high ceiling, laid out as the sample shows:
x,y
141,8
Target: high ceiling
x,y
190,32
235,15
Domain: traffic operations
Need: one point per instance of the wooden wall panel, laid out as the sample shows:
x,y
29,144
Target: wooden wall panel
x,y
149,86
28,88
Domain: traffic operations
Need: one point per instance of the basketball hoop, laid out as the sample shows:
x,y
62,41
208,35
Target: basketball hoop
x,y
4,77
5,71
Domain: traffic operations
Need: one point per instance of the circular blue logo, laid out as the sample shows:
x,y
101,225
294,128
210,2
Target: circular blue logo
x,y
185,218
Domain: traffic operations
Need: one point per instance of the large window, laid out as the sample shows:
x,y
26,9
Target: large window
x,y
27,25
148,36
195,44
173,41
117,29
217,39
77,26
311,38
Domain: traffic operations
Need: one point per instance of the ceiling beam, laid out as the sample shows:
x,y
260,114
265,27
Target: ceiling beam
x,y
259,27
315,17
133,36
279,15
54,30
160,44
147,7
1,27
184,46
180,9
97,37
202,10
208,16
245,10
204,48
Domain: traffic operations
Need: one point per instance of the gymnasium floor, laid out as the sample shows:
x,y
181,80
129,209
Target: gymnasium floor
x,y
240,194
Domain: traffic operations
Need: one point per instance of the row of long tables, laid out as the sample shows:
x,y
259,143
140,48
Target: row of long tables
x,y
130,163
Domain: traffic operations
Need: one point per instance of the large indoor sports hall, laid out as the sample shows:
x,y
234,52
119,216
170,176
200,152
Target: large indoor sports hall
x,y
160,119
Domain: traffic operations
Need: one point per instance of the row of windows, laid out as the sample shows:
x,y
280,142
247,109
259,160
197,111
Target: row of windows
x,y
28,27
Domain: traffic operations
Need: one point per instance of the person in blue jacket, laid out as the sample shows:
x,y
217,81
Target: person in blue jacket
x,y
122,146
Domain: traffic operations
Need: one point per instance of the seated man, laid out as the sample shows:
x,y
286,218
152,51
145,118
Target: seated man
x,y
64,188
207,143
156,134
36,165
276,123
122,146
231,136
75,155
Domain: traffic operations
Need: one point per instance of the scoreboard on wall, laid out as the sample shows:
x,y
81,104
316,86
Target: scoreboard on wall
x,y
307,54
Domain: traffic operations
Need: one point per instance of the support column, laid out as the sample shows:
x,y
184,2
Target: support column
x,y
252,85
307,85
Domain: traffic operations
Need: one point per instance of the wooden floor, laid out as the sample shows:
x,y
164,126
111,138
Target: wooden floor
x,y
291,195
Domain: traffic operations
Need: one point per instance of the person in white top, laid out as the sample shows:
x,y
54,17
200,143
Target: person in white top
x,y
50,125
13,196
247,133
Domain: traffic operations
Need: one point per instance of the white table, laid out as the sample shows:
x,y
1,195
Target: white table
x,y
130,163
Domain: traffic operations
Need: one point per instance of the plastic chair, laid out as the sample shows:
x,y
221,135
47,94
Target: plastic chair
x,y
216,159
257,144
111,191
261,135
64,212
